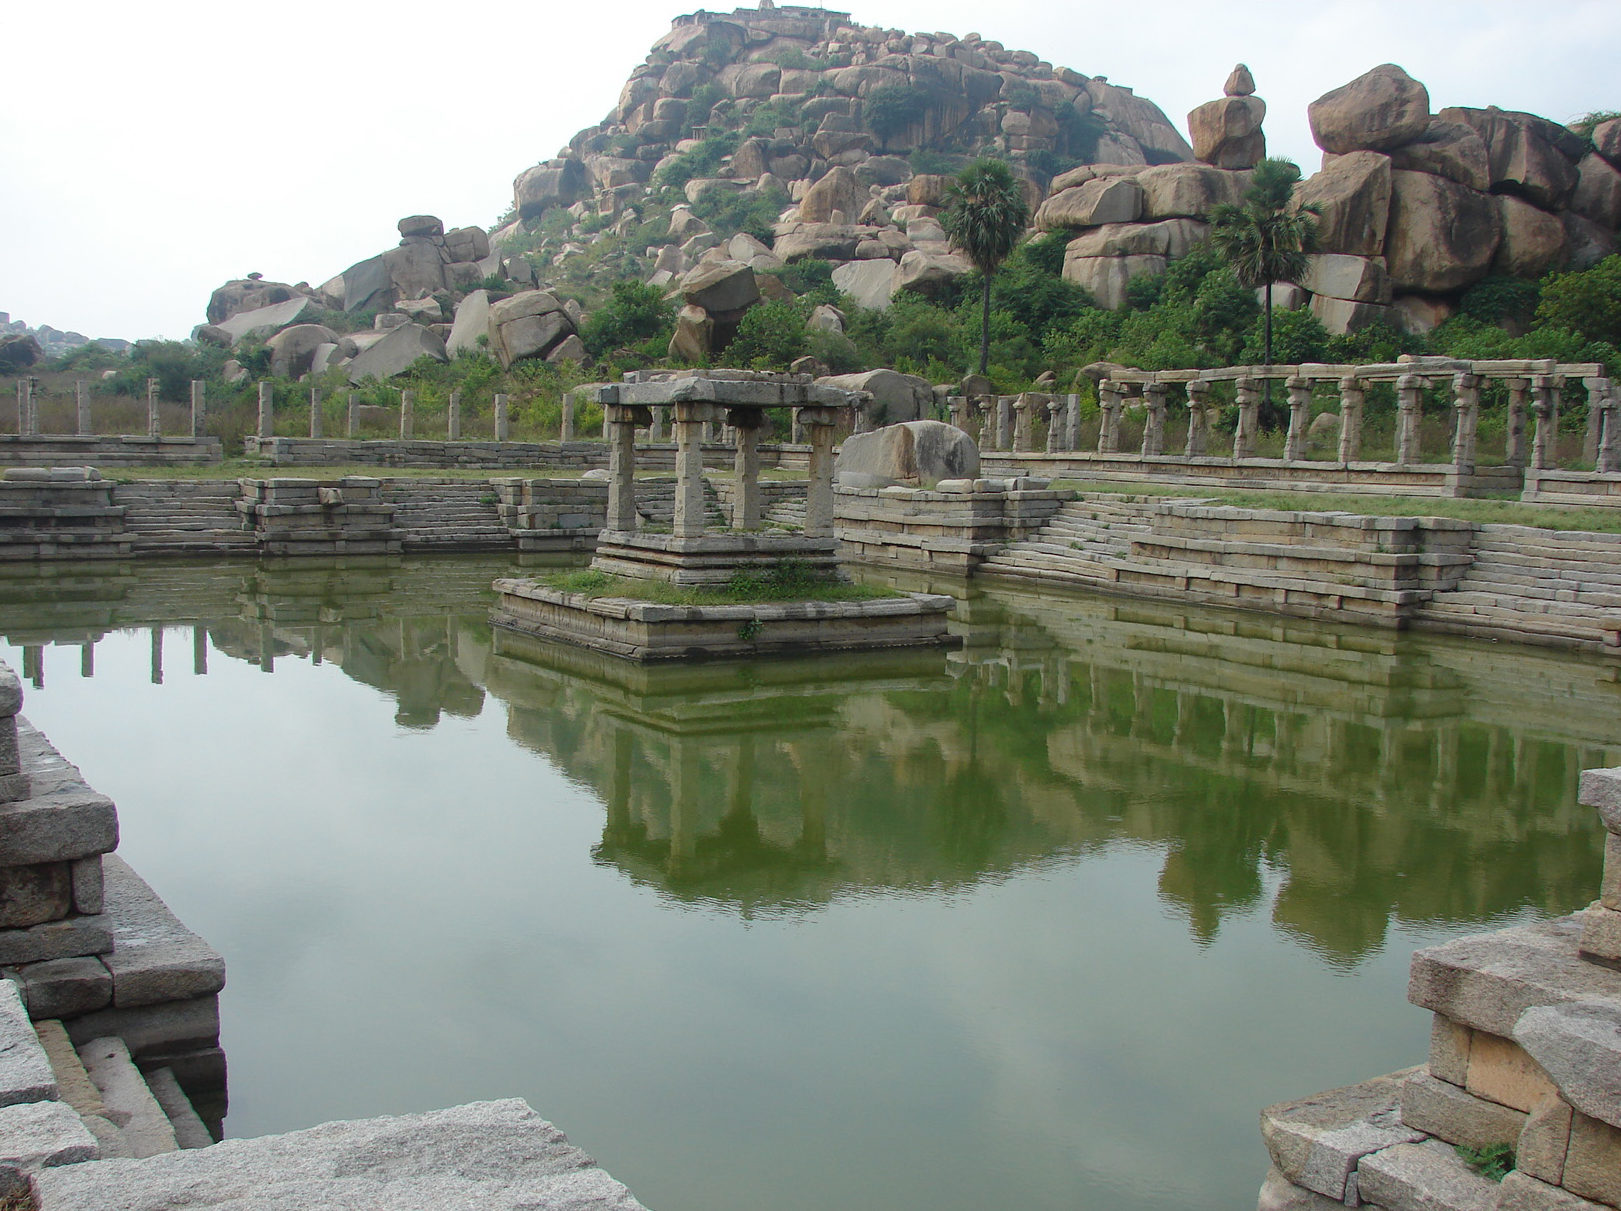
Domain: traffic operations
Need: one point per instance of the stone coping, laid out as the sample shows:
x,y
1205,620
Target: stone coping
x,y
770,611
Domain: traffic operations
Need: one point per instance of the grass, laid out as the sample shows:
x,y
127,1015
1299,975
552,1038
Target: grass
x,y
1486,510
787,580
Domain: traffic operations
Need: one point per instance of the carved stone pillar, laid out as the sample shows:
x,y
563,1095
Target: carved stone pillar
x,y
199,408
315,412
1055,425
1466,412
1545,407
1519,399
1154,420
1409,411
819,424
1608,459
1352,397
747,509
267,410
1004,422
81,399
620,422
1110,402
503,422
1249,419
408,415
690,421
453,417
1294,445
154,426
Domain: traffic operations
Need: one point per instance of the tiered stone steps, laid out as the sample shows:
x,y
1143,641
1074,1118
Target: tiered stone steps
x,y
1081,545
185,516
1536,586
447,514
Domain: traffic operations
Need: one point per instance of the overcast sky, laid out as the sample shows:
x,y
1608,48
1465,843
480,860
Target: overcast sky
x,y
153,151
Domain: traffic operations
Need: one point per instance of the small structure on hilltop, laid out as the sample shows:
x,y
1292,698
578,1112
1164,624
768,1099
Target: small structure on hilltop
x,y
692,555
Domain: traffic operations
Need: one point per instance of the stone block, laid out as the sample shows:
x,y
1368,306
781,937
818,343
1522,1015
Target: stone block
x,y
498,1156
1593,1164
65,988
1610,888
155,959
1601,933
39,1135
154,1029
61,818
1545,1141
32,895
1457,1116
1429,1175
1523,1192
88,887
70,939
128,1098
10,757
1449,1050
1500,1071
1278,1193
1579,1046
11,692
1601,788
1317,1142
25,1070
1486,981
76,1087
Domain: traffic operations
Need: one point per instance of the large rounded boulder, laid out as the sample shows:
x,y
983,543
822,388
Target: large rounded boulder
x,y
1379,110
912,453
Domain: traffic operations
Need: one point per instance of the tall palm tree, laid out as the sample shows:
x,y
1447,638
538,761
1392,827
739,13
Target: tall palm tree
x,y
1267,238
985,216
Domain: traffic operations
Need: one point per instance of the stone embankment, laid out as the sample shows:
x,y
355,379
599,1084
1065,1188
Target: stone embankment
x,y
1525,1057
112,1080
1497,581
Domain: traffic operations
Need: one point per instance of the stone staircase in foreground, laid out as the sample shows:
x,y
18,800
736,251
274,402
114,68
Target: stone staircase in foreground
x,y
185,517
1525,1058
447,514
1536,586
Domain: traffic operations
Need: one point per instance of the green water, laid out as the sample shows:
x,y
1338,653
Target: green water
x,y
1042,923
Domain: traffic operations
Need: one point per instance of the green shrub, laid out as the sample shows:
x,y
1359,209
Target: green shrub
x,y
770,336
754,213
634,313
890,109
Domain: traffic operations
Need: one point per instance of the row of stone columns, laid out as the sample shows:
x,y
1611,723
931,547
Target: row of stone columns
x,y
267,414
1008,422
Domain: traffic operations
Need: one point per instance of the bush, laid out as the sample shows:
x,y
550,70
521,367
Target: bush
x,y
1587,302
892,108
770,337
702,161
633,314
753,213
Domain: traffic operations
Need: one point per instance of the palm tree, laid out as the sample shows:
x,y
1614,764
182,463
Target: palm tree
x,y
1267,238
984,218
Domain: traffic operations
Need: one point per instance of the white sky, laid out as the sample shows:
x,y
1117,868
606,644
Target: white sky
x,y
153,151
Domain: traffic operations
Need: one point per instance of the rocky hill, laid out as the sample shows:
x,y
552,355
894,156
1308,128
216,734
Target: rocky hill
x,y
749,141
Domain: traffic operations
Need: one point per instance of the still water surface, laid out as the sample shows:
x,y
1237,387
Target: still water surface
x,y
1042,923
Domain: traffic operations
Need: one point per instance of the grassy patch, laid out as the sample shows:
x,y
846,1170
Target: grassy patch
x,y
1484,511
1493,1163
786,580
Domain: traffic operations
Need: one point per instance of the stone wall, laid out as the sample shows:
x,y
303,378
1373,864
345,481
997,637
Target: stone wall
x,y
951,528
60,513
54,451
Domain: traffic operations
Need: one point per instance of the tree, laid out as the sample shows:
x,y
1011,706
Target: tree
x,y
1267,238
984,218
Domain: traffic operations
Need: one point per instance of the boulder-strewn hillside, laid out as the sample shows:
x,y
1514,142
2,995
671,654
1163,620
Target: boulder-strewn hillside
x,y
752,141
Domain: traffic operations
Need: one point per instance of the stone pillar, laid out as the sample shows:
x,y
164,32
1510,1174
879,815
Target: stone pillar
x,y
707,433
25,405
620,423
87,659
690,420
1110,402
267,411
81,399
353,416
1294,445
453,418
1055,425
1249,419
747,510
1466,410
408,415
1545,407
1608,460
503,427
1352,397
199,651
956,407
796,435
1595,423
154,426
565,432
820,423
157,655
199,407
1409,411
863,418
1023,432
1154,420
655,427
1072,422
1519,396
1198,418
1004,422
315,412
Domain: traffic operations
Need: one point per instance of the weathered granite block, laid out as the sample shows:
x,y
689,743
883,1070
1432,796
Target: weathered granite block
x,y
61,819
1501,1072
44,1134
1610,889
155,959
1316,1142
1449,1050
11,692
154,1029
25,1071
88,886
65,988
1427,1175
1545,1141
1456,1116
72,938
1523,1192
497,1156
1579,1046
1593,1164
1601,788
1278,1193
34,894
1601,933
10,757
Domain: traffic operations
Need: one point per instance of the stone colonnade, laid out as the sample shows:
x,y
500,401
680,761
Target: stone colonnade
x,y
1535,392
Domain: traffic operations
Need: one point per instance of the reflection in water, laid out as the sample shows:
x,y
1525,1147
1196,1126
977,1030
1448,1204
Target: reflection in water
x,y
1335,785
